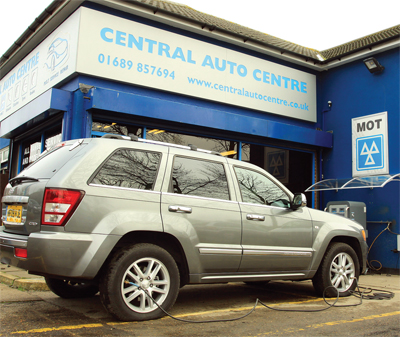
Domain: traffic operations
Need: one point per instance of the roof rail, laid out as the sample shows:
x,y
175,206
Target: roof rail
x,y
156,142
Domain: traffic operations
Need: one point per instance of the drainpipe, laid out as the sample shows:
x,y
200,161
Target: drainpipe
x,y
78,121
321,206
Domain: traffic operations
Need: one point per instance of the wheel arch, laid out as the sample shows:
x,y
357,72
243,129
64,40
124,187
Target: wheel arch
x,y
351,241
164,240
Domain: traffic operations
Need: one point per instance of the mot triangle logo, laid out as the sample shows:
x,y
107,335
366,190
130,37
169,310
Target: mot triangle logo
x,y
275,165
369,152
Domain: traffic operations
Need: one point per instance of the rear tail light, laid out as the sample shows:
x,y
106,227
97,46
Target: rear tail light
x,y
59,205
21,252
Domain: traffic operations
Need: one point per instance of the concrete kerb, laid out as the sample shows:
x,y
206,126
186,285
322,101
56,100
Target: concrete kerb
x,y
16,278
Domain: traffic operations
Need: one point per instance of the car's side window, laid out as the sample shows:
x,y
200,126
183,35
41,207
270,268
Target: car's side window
x,y
129,169
200,178
258,189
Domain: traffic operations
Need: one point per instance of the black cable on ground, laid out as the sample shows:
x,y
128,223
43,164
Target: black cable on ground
x,y
383,295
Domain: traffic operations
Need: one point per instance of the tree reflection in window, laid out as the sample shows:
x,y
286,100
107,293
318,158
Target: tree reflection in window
x,y
258,189
200,178
129,169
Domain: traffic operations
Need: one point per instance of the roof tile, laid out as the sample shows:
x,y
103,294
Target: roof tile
x,y
212,22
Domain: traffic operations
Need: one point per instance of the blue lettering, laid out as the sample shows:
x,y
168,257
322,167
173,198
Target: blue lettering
x,y
242,70
103,33
120,38
220,68
208,62
232,66
276,80
295,84
255,73
265,77
132,40
163,47
303,87
178,53
286,79
151,45
189,57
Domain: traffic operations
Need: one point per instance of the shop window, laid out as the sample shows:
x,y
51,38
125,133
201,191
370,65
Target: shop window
x,y
245,152
31,151
276,162
129,169
52,140
293,168
200,178
100,128
227,147
27,149
4,154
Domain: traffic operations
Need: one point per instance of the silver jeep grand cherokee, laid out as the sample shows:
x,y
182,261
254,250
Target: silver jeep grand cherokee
x,y
133,219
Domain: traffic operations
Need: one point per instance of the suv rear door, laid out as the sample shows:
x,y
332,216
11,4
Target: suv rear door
x,y
197,207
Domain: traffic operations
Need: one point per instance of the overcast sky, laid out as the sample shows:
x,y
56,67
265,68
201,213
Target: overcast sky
x,y
311,23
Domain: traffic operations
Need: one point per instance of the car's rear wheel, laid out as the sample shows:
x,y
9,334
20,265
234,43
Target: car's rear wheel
x,y
339,269
70,289
135,274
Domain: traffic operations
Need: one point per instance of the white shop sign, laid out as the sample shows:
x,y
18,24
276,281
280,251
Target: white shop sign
x,y
123,50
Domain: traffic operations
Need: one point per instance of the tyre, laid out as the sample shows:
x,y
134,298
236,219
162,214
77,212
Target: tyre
x,y
340,269
133,274
69,289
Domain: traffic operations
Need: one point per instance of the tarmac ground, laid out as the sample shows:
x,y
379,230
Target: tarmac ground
x,y
28,309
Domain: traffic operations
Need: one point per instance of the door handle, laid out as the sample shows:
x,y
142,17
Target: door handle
x,y
179,209
255,217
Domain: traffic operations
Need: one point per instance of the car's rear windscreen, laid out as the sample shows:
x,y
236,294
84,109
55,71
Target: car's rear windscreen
x,y
49,163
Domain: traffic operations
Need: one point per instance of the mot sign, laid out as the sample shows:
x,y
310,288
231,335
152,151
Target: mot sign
x,y
370,145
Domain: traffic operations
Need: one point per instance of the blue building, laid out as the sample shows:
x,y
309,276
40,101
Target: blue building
x,y
165,71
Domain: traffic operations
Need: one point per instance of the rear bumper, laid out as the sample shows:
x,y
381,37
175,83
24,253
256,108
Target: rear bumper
x,y
70,255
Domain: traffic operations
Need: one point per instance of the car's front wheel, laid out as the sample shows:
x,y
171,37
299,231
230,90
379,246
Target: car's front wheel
x,y
339,269
138,280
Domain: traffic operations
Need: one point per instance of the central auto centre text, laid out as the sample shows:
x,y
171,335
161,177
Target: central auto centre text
x,y
163,49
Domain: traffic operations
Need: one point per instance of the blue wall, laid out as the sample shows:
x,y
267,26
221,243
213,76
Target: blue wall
x,y
4,143
355,92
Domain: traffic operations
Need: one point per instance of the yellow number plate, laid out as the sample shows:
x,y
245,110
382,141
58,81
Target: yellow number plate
x,y
14,214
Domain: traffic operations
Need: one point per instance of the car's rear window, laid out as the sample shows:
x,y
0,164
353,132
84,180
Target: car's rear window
x,y
48,164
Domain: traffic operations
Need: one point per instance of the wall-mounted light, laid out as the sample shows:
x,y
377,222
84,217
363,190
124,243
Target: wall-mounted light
x,y
373,65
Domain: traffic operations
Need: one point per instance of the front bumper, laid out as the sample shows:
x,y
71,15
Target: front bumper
x,y
62,254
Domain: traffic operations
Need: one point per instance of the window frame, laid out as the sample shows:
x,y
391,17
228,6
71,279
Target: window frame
x,y
170,183
234,167
95,173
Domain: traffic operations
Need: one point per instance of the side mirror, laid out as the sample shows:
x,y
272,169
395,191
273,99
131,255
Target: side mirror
x,y
299,200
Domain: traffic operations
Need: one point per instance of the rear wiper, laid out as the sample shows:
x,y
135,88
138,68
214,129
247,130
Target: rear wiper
x,y
17,180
